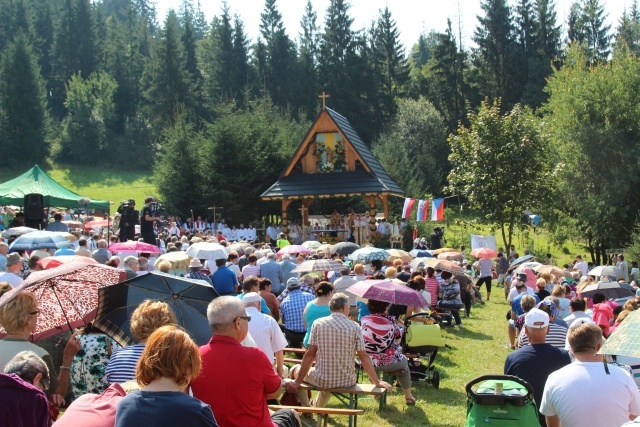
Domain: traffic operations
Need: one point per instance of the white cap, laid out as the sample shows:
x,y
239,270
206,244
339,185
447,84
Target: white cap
x,y
536,319
251,297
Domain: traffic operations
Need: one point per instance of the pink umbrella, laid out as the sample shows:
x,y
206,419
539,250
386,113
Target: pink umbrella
x,y
134,246
484,253
97,223
294,249
388,291
56,261
67,295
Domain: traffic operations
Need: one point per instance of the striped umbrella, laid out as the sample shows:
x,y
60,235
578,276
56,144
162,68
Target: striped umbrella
x,y
318,265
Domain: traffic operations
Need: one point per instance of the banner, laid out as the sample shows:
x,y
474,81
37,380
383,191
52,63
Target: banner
x,y
437,210
423,209
478,241
408,205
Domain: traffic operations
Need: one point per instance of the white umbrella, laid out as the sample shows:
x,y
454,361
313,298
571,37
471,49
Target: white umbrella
x,y
206,250
312,244
606,270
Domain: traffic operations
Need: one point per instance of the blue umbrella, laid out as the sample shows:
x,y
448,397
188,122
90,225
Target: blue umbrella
x,y
369,254
39,240
187,298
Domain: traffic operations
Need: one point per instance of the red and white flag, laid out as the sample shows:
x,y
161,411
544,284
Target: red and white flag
x,y
408,205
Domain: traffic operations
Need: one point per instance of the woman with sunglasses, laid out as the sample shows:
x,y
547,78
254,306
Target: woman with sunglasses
x,y
19,317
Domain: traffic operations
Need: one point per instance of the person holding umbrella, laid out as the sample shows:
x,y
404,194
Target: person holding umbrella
x,y
381,332
19,317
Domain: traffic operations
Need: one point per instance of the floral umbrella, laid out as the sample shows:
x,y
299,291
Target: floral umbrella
x,y
312,244
67,295
368,254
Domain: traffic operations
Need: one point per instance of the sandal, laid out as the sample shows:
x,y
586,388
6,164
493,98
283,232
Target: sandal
x,y
410,402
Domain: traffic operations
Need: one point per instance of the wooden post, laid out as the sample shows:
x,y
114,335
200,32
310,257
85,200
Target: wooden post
x,y
372,212
385,204
285,221
305,211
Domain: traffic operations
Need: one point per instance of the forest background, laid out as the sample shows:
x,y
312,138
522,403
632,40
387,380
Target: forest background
x,y
536,115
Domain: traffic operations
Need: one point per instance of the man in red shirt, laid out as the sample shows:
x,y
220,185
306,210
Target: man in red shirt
x,y
237,381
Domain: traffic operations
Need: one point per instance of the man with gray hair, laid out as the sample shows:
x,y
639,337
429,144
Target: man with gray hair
x,y
238,397
102,255
22,385
334,341
244,259
131,266
342,283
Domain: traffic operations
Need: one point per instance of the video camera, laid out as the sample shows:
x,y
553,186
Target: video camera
x,y
130,203
157,209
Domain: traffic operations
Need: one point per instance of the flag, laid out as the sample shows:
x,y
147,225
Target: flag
x,y
423,209
408,205
437,210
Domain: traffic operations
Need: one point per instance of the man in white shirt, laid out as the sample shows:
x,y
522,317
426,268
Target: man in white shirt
x,y
241,233
577,307
485,265
199,225
14,265
272,234
250,233
622,265
265,332
341,284
581,265
587,392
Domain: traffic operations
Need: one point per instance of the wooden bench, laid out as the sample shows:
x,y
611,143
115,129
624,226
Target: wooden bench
x,y
349,395
322,413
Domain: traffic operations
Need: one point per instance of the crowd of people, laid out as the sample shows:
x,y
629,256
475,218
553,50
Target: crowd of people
x,y
265,307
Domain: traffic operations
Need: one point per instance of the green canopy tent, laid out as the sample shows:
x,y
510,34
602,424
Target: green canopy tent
x,y
37,181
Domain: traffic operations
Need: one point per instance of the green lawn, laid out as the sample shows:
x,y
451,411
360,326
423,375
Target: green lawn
x,y
478,348
98,183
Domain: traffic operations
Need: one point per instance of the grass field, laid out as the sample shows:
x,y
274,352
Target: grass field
x,y
479,347
98,183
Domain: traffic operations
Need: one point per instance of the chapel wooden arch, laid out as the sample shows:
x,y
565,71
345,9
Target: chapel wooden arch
x,y
332,161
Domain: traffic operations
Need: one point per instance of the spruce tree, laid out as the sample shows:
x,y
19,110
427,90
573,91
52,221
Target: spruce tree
x,y
23,113
597,32
628,31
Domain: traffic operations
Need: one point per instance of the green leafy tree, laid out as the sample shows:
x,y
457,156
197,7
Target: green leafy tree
x,y
499,164
23,113
593,122
88,129
414,151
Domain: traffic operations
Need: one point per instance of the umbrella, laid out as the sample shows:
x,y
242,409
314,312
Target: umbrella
x,y
67,295
312,244
56,261
70,237
520,260
318,265
294,249
419,253
605,270
388,291
552,269
206,250
625,340
39,240
418,262
369,254
531,265
187,298
17,231
324,248
239,247
451,256
443,250
399,253
484,253
344,248
97,224
611,290
179,260
72,224
134,246
444,265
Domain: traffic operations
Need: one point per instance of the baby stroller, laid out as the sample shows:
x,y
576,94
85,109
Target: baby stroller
x,y
500,400
421,340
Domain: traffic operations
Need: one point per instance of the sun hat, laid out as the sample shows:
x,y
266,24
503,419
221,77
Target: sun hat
x,y
195,263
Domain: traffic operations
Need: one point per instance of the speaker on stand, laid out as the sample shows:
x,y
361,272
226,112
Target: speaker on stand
x,y
34,210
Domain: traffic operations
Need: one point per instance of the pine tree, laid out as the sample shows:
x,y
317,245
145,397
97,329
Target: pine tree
x,y
23,113
497,57
216,60
597,34
628,31
240,60
166,79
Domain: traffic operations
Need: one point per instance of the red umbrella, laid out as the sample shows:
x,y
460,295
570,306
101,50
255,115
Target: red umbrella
x,y
67,295
484,253
134,246
97,223
56,261
388,291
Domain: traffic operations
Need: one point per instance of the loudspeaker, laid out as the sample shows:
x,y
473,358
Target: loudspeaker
x,y
33,210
